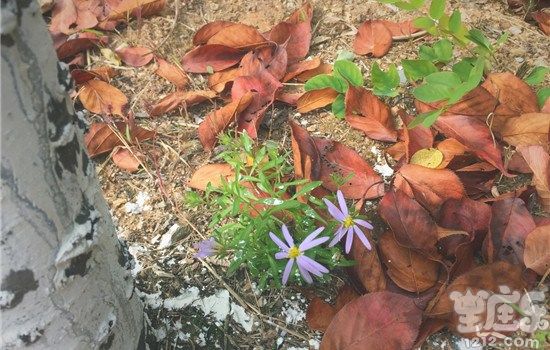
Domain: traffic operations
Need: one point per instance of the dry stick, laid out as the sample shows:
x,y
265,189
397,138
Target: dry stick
x,y
127,146
172,28
410,36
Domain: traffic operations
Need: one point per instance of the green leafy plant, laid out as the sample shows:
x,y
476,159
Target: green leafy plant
x,y
260,198
385,83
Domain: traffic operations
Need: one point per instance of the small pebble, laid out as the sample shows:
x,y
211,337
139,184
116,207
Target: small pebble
x,y
514,30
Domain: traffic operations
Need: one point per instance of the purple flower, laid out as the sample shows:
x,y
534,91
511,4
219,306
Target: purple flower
x,y
290,251
207,247
348,225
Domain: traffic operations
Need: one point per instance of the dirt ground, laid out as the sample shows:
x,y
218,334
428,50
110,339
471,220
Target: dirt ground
x,y
187,300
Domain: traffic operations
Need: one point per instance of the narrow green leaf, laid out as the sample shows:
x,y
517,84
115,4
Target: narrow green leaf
x,y
424,23
339,106
476,74
425,119
479,39
537,75
437,8
455,22
418,69
349,71
542,95
502,38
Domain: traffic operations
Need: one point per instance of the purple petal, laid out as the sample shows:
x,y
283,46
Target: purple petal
x,y
311,236
305,274
308,245
362,237
349,239
313,266
281,255
337,237
363,223
342,202
287,235
333,210
278,242
288,268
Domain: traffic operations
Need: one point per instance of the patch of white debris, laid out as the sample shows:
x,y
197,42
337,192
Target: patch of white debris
x,y
314,344
241,317
294,310
381,165
166,239
136,250
5,298
139,205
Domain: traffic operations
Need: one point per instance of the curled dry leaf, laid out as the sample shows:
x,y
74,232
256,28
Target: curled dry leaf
x,y
71,47
211,57
537,255
368,113
213,174
208,30
314,99
238,36
510,224
100,97
400,30
376,321
180,98
543,19
411,224
373,38
101,138
368,268
219,120
126,160
172,73
527,129
105,73
135,8
219,80
295,32
300,67
408,269
414,139
135,56
539,162
430,187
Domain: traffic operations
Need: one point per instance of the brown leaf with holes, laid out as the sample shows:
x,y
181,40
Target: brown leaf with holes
x,y
214,57
127,160
408,269
368,113
136,56
101,138
430,187
179,99
172,73
368,269
527,130
536,254
375,321
539,162
411,224
213,174
373,38
314,99
219,120
103,98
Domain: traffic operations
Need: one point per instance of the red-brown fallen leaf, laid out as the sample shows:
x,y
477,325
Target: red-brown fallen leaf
x,y
408,269
467,215
338,159
320,313
219,120
71,47
265,87
429,326
411,224
300,67
324,68
536,254
314,99
295,32
100,97
414,139
376,321
373,38
527,129
471,132
486,278
450,149
546,108
400,29
290,98
172,73
219,80
125,160
208,30
238,36
543,19
70,16
368,268
214,57
539,162
368,113
101,138
516,163
430,187
135,8
213,174
104,73
135,56
510,223
180,98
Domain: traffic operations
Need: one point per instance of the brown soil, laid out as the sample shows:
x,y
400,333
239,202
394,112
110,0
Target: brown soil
x,y
176,153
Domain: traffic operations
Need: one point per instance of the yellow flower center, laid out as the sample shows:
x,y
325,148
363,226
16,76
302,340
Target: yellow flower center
x,y
348,222
293,252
